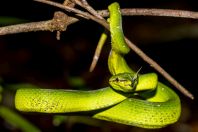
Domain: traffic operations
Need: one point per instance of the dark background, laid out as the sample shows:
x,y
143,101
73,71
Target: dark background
x,y
40,59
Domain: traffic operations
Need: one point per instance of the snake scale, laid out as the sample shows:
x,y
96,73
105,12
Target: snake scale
x,y
132,99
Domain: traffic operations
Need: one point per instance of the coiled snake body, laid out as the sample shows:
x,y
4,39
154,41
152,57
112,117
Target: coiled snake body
x,y
156,106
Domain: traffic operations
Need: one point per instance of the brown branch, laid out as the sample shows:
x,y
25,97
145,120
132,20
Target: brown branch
x,y
58,23
158,68
27,27
154,12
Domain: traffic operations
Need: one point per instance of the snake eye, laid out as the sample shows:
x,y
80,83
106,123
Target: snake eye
x,y
117,79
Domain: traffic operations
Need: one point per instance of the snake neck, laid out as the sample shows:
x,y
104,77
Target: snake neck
x,y
117,64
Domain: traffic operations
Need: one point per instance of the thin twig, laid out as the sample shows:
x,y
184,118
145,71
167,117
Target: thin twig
x,y
98,50
85,5
67,8
154,12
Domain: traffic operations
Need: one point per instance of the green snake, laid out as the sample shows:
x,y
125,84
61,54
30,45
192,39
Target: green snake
x,y
132,99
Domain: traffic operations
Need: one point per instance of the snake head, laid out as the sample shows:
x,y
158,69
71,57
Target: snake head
x,y
125,82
